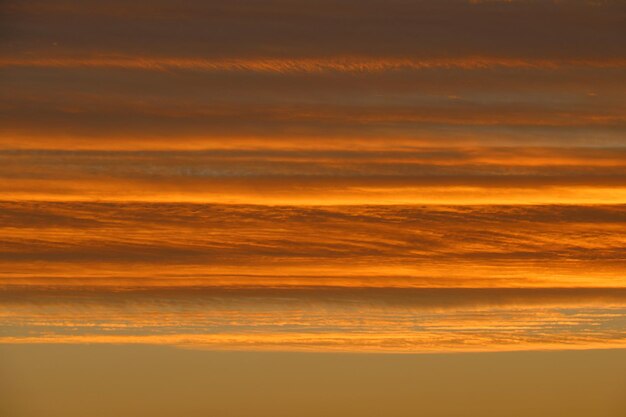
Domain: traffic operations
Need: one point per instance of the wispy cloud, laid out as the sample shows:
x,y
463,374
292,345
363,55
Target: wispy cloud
x,y
352,320
397,246
313,175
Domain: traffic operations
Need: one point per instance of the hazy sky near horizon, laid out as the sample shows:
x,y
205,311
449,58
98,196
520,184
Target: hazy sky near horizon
x,y
295,179
158,381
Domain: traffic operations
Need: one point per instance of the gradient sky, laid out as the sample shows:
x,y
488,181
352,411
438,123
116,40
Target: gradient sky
x,y
380,182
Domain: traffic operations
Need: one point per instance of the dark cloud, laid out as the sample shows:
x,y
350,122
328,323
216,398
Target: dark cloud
x,y
287,28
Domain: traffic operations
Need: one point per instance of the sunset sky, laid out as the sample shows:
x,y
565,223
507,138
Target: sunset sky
x,y
437,184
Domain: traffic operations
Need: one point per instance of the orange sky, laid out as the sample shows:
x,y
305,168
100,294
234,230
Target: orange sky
x,y
303,145
332,208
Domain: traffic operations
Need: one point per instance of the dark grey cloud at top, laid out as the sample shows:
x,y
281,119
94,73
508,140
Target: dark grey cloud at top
x,y
198,74
425,28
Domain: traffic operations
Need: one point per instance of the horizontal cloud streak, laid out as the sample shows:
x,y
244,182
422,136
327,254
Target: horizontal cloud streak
x,y
312,65
567,29
423,176
379,246
319,319
321,176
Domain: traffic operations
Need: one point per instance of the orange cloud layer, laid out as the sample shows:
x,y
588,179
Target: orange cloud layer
x,y
321,176
164,244
351,320
312,65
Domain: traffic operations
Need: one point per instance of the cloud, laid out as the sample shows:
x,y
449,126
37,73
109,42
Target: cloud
x,y
569,29
437,175
311,65
319,319
397,246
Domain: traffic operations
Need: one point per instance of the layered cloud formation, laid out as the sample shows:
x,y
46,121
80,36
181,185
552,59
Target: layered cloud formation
x,y
320,319
382,176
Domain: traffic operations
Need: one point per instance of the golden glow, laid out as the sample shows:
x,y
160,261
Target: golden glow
x,y
268,155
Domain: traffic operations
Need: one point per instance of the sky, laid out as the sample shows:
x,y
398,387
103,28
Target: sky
x,y
429,190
